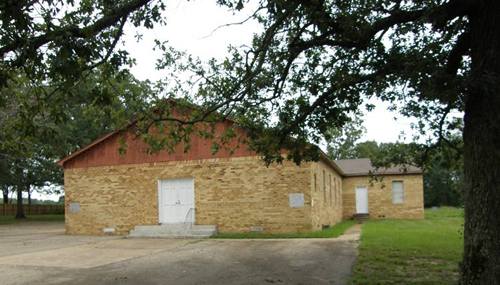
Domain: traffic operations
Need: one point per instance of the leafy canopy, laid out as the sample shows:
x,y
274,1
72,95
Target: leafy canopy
x,y
32,142
317,61
309,71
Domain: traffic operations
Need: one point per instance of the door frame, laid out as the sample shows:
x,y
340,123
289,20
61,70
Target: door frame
x,y
356,198
159,197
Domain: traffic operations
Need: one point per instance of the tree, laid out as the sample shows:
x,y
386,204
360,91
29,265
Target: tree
x,y
5,194
32,172
368,149
444,177
341,142
318,59
31,144
5,179
52,46
442,186
61,40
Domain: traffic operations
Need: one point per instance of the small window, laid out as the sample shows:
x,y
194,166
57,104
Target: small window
x,y
315,183
330,188
337,194
339,191
324,181
335,189
324,187
398,192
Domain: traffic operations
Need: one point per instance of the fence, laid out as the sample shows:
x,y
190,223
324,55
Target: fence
x,y
10,209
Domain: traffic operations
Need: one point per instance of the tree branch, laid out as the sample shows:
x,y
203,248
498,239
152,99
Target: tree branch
x,y
436,16
285,132
106,21
119,33
460,49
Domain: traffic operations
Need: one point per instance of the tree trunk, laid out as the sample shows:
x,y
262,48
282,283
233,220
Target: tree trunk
x,y
28,189
481,262
5,193
20,210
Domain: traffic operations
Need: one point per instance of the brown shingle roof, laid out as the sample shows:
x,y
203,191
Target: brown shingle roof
x,y
363,166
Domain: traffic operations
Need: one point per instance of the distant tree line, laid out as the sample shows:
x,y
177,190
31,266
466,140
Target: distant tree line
x,y
33,201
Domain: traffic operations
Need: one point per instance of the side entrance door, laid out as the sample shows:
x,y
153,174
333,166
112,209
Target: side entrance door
x,y
176,201
361,200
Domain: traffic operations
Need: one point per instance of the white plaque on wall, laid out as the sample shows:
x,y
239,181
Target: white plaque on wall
x,y
296,200
74,207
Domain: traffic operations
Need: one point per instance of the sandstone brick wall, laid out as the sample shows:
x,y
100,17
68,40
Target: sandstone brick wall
x,y
326,185
380,197
233,193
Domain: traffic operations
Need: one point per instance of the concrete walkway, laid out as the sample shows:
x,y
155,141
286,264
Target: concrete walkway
x,y
42,254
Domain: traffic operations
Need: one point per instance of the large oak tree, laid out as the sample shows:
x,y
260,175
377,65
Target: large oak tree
x,y
322,58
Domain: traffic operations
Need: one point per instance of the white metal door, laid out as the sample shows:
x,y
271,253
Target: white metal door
x,y
176,201
361,200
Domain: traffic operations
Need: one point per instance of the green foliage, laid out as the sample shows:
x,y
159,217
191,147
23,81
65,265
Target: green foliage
x,y
442,166
316,62
33,138
305,76
411,252
302,80
342,142
368,149
444,179
64,80
61,41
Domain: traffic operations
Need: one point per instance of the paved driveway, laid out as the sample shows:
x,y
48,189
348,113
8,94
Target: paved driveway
x,y
41,254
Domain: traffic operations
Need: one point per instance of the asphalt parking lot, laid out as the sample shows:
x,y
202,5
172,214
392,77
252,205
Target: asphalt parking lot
x,y
40,253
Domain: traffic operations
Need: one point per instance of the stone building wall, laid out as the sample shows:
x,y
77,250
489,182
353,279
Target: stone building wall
x,y
233,193
380,203
326,185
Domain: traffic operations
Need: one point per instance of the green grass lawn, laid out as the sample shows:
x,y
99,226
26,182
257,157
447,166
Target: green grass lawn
x,y
411,251
332,232
40,218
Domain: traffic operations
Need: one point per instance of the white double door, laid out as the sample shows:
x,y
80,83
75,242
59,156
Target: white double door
x,y
176,201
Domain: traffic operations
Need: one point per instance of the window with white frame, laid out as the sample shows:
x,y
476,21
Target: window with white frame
x,y
398,192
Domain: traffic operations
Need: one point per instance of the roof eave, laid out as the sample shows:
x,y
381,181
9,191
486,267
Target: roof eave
x,y
89,146
331,162
383,173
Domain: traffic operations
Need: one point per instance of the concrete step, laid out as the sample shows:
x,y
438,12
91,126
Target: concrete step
x,y
361,217
162,230
174,231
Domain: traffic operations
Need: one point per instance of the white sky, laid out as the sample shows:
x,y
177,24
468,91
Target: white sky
x,y
189,28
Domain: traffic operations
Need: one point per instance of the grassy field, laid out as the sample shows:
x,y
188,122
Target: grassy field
x,y
411,252
40,218
332,232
